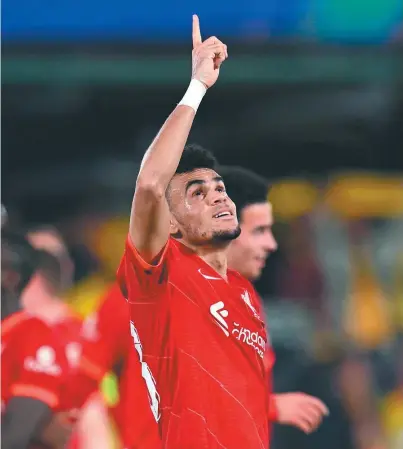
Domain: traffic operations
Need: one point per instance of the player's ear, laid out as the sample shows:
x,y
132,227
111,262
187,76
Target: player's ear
x,y
174,229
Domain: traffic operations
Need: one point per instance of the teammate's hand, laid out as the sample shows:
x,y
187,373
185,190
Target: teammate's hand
x,y
300,410
207,56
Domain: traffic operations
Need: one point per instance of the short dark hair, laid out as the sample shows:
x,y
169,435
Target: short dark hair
x,y
50,269
193,157
244,187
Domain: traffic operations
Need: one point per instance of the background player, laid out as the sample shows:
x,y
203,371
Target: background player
x,y
43,297
32,368
247,255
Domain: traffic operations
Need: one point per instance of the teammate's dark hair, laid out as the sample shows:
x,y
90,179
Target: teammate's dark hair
x,y
194,157
61,274
19,257
243,186
49,268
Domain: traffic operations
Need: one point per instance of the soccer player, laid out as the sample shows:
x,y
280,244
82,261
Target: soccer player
x,y
247,255
43,298
195,323
43,295
33,363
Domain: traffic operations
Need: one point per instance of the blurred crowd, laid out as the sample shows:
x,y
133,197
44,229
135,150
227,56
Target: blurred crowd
x,y
333,293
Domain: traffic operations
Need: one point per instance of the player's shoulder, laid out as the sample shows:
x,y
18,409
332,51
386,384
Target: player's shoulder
x,y
13,323
236,278
112,297
23,321
33,333
175,248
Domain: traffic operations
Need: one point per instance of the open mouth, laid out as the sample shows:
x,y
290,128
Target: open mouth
x,y
223,214
261,260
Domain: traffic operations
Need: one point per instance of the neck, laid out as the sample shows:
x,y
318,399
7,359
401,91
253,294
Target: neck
x,y
214,256
46,306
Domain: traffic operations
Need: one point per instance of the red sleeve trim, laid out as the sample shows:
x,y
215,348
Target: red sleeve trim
x,y
273,410
145,265
11,321
91,369
32,391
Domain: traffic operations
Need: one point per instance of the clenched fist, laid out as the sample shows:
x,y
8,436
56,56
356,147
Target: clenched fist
x,y
207,56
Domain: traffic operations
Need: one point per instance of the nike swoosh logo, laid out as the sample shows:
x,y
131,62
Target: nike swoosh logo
x,y
208,277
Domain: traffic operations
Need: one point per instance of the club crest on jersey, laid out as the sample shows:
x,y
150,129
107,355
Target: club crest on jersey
x,y
245,296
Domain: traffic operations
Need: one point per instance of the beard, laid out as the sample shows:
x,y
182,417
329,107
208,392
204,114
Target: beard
x,y
226,236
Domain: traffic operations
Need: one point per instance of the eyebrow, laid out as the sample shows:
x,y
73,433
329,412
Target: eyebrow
x,y
261,228
201,182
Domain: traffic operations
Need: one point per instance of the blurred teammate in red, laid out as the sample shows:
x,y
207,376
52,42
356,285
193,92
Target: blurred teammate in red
x,y
247,255
34,365
43,295
43,298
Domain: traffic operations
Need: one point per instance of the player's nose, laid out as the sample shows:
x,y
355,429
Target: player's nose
x,y
270,243
218,197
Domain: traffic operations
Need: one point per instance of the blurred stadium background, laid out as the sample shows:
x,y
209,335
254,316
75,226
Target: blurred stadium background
x,y
311,97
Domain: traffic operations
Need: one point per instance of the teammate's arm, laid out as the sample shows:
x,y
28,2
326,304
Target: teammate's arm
x,y
149,222
93,428
22,419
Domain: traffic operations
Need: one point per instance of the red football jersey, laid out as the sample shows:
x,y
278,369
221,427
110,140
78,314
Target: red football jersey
x,y
201,344
68,331
33,363
269,360
136,423
106,345
106,335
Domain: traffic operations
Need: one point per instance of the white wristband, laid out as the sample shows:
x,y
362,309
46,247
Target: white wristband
x,y
194,95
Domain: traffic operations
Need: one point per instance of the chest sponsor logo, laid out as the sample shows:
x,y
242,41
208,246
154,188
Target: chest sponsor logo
x,y
219,313
253,339
43,362
242,334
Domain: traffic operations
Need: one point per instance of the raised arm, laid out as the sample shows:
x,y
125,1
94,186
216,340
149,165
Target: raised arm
x,y
149,222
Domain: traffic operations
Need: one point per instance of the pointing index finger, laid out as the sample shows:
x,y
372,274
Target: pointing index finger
x,y
196,35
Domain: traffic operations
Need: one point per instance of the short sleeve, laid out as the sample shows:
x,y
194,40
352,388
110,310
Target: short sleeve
x,y
41,364
139,280
105,335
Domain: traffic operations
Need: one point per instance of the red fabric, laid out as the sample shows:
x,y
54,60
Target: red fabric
x,y
202,345
269,360
68,331
105,344
33,362
273,411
